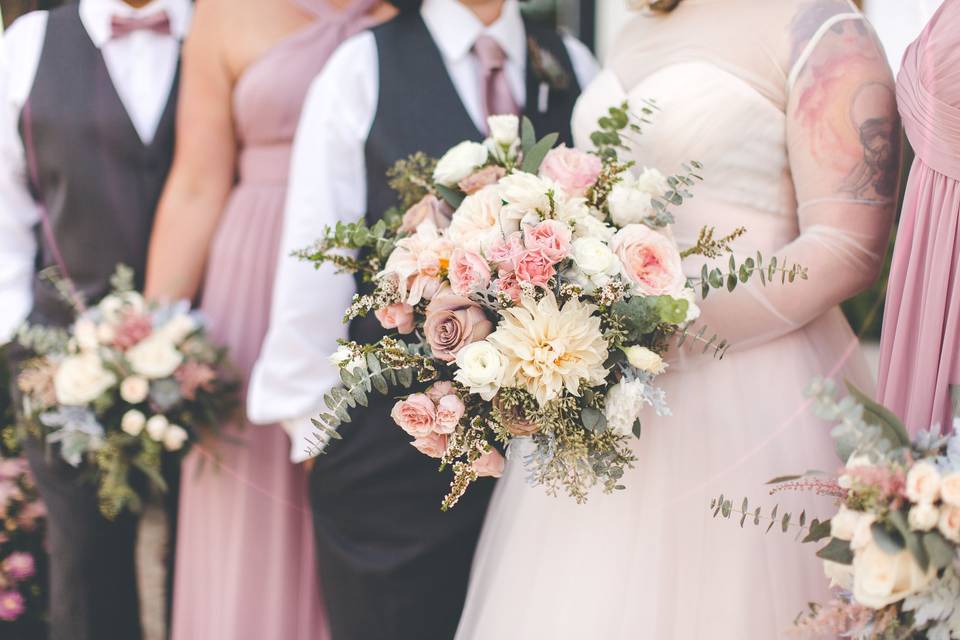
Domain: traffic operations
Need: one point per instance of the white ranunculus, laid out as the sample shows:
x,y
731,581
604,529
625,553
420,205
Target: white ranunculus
x,y
527,192
593,257
950,489
923,482
622,406
645,360
178,328
840,575
132,422
460,162
174,437
480,368
628,203
843,526
156,426
653,182
504,129
155,357
134,389
923,516
881,579
81,379
949,523
590,227
85,331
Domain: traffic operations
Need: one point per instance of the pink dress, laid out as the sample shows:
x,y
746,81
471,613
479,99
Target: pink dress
x,y
920,351
245,559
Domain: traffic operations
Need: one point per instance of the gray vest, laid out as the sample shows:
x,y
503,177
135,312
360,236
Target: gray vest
x,y
99,183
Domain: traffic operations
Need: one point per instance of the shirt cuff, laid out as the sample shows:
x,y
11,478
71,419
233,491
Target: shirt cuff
x,y
304,437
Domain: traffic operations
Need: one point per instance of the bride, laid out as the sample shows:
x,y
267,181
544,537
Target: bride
x,y
789,105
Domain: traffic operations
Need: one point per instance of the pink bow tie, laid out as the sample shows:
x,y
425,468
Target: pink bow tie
x,y
123,26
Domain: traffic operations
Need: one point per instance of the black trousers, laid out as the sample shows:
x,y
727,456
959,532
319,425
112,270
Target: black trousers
x,y
93,586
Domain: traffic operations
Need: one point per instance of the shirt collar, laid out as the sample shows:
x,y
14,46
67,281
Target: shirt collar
x,y
96,15
455,28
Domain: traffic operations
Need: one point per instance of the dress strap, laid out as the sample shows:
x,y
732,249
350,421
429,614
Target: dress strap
x,y
815,40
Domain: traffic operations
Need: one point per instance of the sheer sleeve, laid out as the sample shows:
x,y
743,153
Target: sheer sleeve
x,y
843,145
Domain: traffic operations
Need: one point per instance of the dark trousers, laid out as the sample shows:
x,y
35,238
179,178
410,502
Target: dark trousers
x,y
93,587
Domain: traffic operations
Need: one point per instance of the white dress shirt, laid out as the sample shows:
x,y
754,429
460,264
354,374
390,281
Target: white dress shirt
x,y
328,183
142,66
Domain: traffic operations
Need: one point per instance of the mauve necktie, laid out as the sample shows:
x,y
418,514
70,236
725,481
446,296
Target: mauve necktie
x,y
494,88
122,26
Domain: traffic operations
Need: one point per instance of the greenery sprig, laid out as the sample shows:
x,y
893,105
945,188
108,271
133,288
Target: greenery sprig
x,y
740,273
811,531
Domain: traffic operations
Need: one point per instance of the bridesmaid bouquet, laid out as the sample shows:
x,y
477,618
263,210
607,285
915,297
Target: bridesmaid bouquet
x,y
127,382
892,550
534,288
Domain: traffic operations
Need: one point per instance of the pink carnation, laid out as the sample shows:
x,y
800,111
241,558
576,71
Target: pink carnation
x,y
509,284
433,445
449,411
551,237
193,377
469,272
12,605
439,389
575,171
535,267
505,251
133,328
397,316
490,464
416,415
19,565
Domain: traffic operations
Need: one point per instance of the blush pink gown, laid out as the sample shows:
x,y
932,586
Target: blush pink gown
x,y
920,350
245,560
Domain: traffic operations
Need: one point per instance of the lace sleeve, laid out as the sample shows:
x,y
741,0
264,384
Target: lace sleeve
x,y
843,143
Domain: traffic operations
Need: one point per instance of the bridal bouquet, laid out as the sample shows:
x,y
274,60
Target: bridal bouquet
x,y
534,288
127,382
22,555
892,550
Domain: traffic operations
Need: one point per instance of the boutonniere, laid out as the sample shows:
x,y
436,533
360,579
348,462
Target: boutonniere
x,y
548,70
653,5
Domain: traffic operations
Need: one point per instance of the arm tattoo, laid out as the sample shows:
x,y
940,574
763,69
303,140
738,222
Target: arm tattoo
x,y
872,115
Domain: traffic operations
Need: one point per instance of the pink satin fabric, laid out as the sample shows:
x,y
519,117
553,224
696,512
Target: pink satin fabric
x,y
920,350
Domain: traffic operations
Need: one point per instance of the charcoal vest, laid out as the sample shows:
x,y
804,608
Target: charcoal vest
x,y
97,180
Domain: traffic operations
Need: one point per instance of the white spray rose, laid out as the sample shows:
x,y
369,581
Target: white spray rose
x,y
81,379
923,516
527,192
174,437
156,426
923,482
480,368
881,579
134,389
85,332
949,523
594,258
950,489
460,162
623,404
155,357
504,129
628,203
132,422
645,360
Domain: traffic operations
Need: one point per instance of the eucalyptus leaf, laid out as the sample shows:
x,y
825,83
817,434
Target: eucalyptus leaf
x,y
453,196
534,158
837,551
876,414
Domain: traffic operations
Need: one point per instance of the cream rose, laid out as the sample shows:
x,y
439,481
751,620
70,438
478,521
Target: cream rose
x,y
923,483
81,379
881,579
459,162
132,422
156,426
950,489
480,368
650,260
949,523
645,360
134,389
593,257
923,516
174,437
156,357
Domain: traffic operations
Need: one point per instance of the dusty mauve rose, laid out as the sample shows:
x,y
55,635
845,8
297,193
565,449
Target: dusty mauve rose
x,y
433,445
552,237
469,272
505,251
514,419
650,260
429,208
133,328
489,465
452,323
397,316
449,411
575,171
480,179
535,267
416,415
439,389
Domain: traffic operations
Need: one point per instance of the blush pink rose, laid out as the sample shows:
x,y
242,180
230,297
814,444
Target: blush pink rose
x,y
483,178
469,272
535,267
449,411
439,389
416,415
490,464
452,323
575,171
433,445
650,260
551,237
429,208
507,283
397,316
505,251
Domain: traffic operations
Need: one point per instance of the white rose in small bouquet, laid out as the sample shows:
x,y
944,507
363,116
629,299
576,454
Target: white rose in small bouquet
x,y
134,389
155,357
133,422
460,162
923,483
881,578
81,379
174,437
